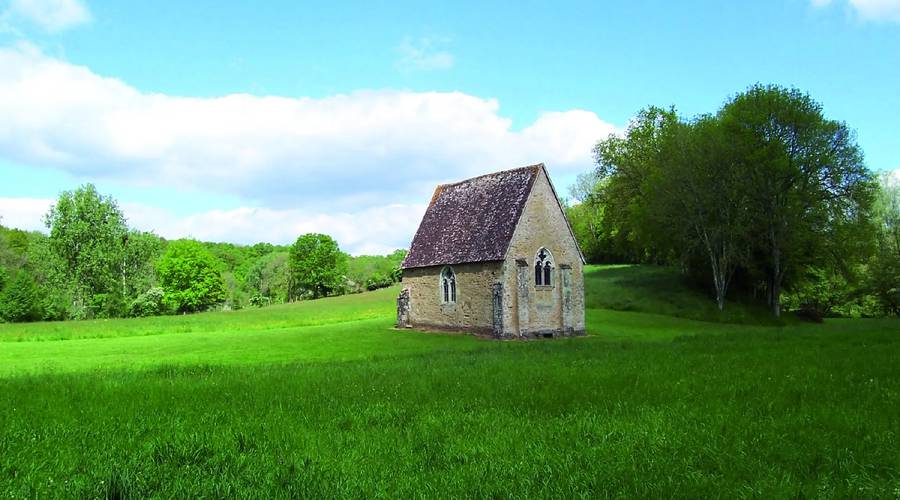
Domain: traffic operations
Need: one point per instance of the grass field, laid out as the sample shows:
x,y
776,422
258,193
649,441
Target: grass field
x,y
664,398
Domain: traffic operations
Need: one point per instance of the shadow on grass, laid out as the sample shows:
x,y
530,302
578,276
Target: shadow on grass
x,y
663,290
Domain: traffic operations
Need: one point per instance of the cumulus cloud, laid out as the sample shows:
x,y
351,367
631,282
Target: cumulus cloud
x,y
372,231
359,147
52,15
869,10
424,54
305,159
24,213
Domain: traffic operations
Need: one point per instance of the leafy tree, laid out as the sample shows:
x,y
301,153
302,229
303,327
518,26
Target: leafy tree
x,y
811,190
316,267
235,295
624,166
50,276
884,268
141,252
20,301
13,248
696,201
584,187
767,189
190,278
370,272
87,231
3,278
267,278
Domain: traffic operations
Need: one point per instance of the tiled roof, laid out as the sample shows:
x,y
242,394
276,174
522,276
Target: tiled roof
x,y
472,220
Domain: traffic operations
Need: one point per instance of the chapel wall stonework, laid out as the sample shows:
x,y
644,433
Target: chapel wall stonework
x,y
542,224
473,309
498,296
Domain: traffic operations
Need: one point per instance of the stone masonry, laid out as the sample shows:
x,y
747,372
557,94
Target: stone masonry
x,y
497,295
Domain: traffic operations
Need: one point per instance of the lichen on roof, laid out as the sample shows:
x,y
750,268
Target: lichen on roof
x,y
472,220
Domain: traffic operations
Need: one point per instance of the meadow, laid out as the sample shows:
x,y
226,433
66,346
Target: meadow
x,y
664,397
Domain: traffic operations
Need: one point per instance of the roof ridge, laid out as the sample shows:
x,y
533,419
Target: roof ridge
x,y
475,222
470,179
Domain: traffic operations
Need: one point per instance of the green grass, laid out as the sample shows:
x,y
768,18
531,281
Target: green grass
x,y
663,290
324,399
347,308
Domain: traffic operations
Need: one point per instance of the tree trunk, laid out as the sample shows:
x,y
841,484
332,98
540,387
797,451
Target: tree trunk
x,y
720,270
777,276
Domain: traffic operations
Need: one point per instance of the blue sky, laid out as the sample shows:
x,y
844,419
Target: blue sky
x,y
250,121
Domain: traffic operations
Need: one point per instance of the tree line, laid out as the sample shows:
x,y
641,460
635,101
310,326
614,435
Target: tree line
x,y
90,264
767,198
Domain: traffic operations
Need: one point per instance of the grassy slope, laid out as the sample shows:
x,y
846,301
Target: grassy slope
x,y
333,329
648,405
661,290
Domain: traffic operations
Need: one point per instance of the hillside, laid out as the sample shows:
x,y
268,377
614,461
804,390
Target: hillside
x,y
663,290
325,399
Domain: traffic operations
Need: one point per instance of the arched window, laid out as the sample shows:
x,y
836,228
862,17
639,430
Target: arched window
x,y
448,285
543,268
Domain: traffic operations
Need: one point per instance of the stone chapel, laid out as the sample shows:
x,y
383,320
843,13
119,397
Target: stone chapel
x,y
495,255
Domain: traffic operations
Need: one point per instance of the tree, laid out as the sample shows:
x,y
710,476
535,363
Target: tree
x,y
811,190
369,272
87,231
268,277
141,252
317,267
584,186
51,278
696,200
19,300
884,269
189,276
624,166
13,248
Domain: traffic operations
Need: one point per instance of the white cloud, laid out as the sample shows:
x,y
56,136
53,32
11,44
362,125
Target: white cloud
x,y
375,230
52,15
869,10
24,213
356,148
372,231
424,54
331,160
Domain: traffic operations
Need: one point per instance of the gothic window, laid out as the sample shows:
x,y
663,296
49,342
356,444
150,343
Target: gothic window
x,y
543,268
448,285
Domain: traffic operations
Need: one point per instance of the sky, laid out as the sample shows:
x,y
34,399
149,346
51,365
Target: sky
x,y
260,121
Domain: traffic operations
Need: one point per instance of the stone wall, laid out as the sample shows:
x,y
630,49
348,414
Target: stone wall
x,y
535,310
525,309
473,310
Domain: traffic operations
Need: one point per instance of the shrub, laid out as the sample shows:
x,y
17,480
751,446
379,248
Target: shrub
x,y
149,303
55,305
106,305
19,300
257,300
378,280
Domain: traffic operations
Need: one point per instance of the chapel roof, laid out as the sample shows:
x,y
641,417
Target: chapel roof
x,y
472,220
